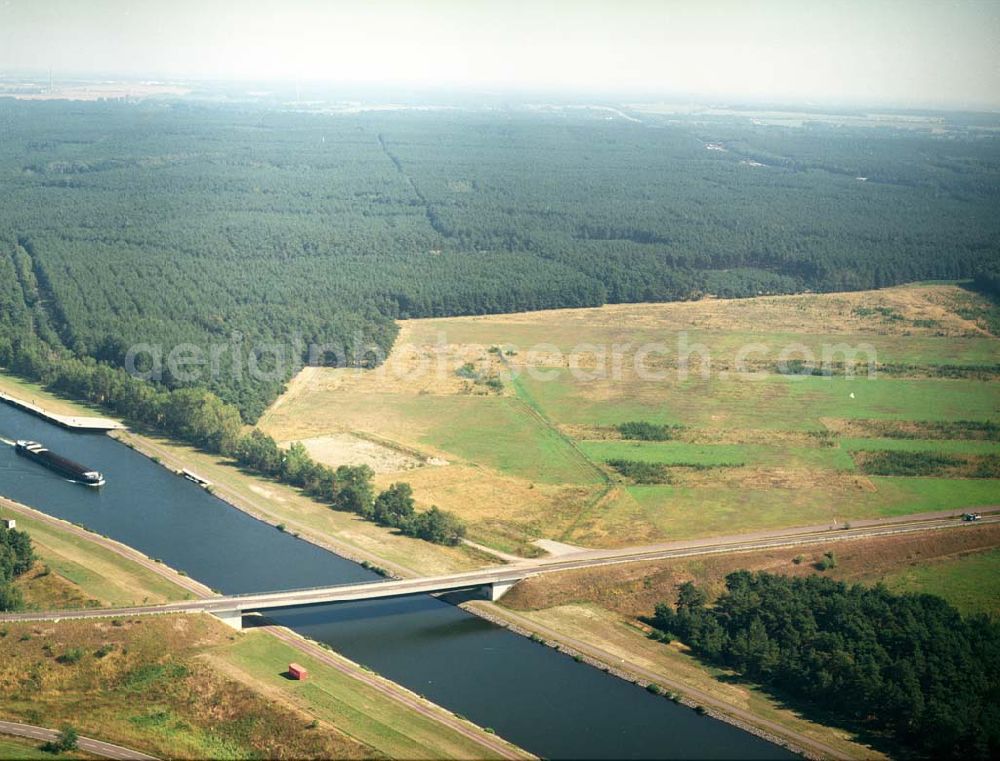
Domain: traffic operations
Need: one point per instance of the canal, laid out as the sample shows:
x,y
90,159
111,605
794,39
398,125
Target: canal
x,y
531,695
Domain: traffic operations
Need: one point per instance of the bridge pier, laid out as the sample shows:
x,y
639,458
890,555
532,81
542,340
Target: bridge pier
x,y
233,618
497,589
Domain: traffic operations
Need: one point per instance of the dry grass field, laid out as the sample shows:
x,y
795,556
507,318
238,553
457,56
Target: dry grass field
x,y
145,684
189,687
524,457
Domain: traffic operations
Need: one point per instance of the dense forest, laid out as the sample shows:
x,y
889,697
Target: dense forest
x,y
906,665
16,558
263,231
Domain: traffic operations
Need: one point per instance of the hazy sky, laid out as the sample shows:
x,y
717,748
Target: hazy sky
x,y
943,52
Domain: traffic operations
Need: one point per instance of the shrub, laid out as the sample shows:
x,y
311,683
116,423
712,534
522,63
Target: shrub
x,y
73,655
641,431
828,561
103,650
642,472
67,740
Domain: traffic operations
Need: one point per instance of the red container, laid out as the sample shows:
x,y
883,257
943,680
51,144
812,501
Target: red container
x,y
295,671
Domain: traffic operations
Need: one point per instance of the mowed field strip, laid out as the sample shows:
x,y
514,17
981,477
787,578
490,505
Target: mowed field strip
x,y
528,460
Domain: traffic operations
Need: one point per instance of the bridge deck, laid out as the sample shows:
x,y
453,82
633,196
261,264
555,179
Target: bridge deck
x,y
508,574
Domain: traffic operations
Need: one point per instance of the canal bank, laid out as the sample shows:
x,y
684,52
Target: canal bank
x,y
443,721
536,698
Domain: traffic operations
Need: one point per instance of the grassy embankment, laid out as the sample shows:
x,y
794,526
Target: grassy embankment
x,y
74,572
189,687
752,454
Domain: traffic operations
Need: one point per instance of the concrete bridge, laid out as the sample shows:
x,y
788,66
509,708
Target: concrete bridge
x,y
494,582
491,583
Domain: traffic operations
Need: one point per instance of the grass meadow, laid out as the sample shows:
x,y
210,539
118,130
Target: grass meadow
x,y
751,452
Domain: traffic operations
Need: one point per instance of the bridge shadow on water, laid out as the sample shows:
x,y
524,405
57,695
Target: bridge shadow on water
x,y
406,619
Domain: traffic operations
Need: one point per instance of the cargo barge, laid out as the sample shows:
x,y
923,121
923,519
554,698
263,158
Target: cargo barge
x,y
72,470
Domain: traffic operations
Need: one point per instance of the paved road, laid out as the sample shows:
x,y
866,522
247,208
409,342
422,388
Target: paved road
x,y
96,747
516,572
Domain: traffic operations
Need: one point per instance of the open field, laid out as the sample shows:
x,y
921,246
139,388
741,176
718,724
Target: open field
x,y
189,687
907,310
527,459
770,403
945,446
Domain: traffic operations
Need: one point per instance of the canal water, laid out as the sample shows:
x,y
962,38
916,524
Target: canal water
x,y
532,695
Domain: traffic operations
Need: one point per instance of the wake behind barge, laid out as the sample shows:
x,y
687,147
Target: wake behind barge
x,y
72,470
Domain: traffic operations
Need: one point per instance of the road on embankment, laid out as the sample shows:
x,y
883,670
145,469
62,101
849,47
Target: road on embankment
x,y
515,572
86,744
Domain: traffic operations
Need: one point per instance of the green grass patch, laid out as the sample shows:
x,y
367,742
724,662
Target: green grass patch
x,y
99,573
151,674
499,432
774,402
971,583
947,446
681,454
669,453
680,512
357,709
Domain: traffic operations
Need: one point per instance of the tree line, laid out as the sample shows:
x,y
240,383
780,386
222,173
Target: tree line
x,y
199,417
16,558
907,666
347,488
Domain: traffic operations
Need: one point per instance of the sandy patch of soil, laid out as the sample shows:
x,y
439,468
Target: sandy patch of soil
x,y
346,449
557,548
